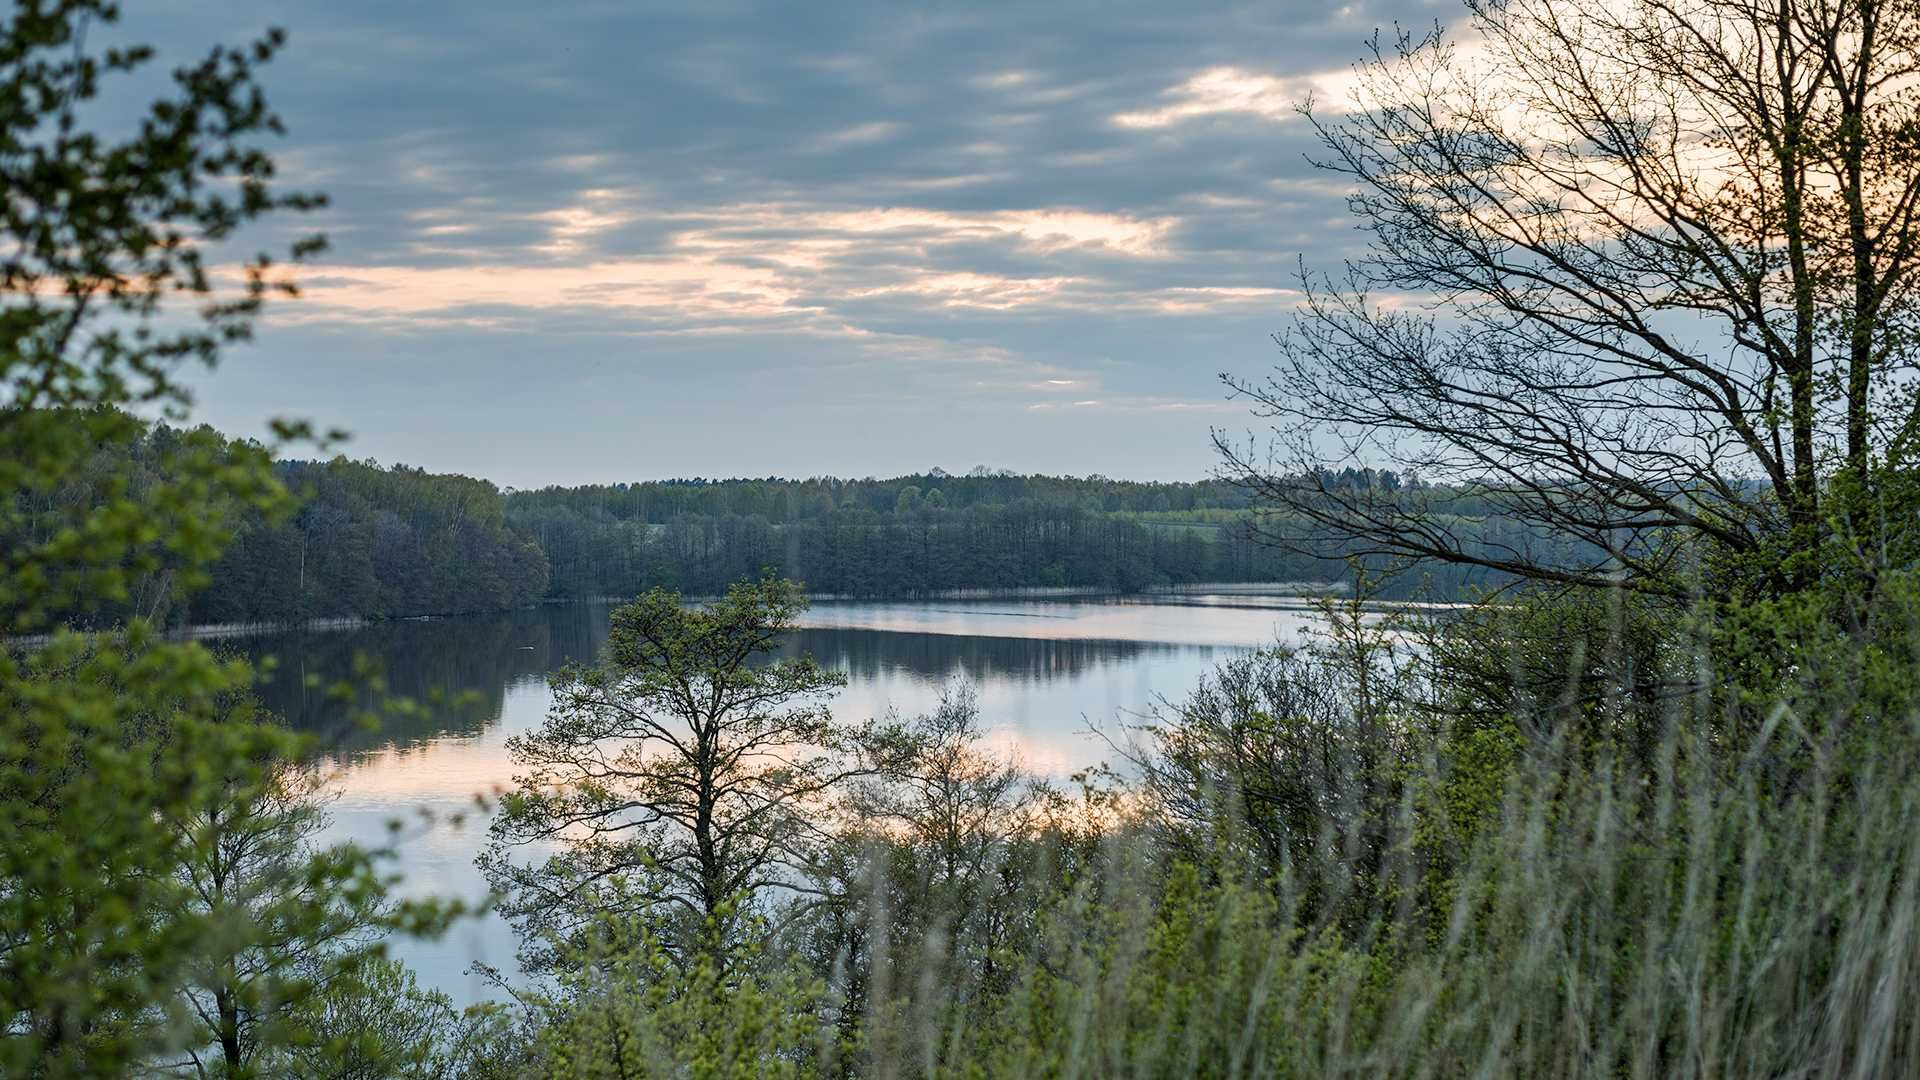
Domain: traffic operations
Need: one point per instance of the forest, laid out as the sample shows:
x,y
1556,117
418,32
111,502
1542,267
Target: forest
x,y
371,541
896,538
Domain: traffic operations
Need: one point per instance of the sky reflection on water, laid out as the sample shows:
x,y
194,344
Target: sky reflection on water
x,y
1050,675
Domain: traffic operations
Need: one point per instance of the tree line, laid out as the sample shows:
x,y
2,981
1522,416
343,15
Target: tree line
x,y
787,500
920,549
373,541
913,552
355,539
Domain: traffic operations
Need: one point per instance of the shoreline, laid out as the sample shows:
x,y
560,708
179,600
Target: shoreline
x,y
1305,590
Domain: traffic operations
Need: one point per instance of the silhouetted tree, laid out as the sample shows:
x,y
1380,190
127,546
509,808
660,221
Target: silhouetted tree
x,y
1640,274
688,761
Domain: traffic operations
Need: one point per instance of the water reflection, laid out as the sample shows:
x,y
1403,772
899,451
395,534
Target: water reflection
x,y
477,656
872,654
1050,676
985,643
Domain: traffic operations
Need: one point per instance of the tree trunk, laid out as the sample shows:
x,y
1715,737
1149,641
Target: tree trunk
x,y
229,1014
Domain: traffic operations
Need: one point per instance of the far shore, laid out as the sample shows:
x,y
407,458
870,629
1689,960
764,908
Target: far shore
x,y
1306,590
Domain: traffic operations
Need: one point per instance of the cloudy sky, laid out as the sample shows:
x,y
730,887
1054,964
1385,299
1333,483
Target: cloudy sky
x,y
620,240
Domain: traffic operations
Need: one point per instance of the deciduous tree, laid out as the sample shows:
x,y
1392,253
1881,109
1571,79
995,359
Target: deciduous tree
x,y
691,760
1642,273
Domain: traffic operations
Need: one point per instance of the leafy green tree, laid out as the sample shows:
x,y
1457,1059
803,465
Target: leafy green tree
x,y
946,795
691,762
100,931
288,917
376,1023
135,810
1288,765
104,237
640,1010
931,878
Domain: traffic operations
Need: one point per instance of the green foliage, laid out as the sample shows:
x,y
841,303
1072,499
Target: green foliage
x,y
688,763
105,740
639,1011
1199,979
1344,860
785,501
375,1023
164,899
1289,763
374,542
352,539
363,540
106,236
1596,663
906,549
991,531
934,887
289,918
116,522
162,903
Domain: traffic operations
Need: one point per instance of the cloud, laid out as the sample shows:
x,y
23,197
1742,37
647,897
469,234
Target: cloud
x,y
773,228
569,228
1234,90
978,205
857,135
698,292
1221,90
807,268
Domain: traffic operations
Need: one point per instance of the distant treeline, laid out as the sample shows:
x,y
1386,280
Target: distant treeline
x,y
936,532
909,552
782,502
386,541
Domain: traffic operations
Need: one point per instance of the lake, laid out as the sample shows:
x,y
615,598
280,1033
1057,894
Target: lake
x,y
1050,675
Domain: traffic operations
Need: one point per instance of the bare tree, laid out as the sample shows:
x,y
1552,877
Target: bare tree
x,y
686,772
1639,274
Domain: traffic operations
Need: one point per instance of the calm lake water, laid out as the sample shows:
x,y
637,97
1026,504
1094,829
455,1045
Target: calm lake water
x,y
1049,675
